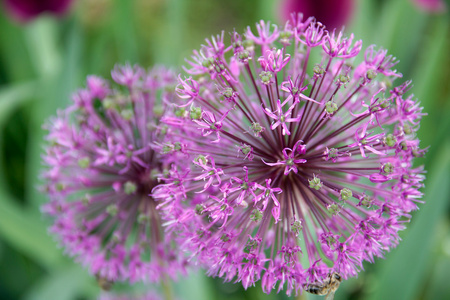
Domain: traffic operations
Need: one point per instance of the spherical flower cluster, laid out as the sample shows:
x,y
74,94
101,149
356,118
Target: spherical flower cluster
x,y
299,159
101,165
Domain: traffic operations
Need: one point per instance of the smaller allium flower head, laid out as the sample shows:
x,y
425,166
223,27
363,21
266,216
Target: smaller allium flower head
x,y
332,13
102,160
26,10
299,168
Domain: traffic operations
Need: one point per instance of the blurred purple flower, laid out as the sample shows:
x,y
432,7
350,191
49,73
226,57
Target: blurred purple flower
x,y
433,6
26,10
102,160
292,175
332,13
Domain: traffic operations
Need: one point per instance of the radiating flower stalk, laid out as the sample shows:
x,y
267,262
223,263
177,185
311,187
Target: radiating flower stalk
x,y
292,168
101,167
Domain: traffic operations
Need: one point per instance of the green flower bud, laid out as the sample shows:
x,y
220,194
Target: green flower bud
x,y
296,227
390,140
180,112
84,162
334,209
143,218
343,78
265,77
256,215
318,71
227,92
127,114
158,110
129,187
201,159
367,201
387,168
371,74
346,194
407,129
331,107
195,113
315,183
86,199
60,186
112,210
225,237
199,209
108,103
256,128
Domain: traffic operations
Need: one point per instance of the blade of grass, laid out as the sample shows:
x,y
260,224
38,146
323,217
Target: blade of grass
x,y
171,37
400,275
268,10
195,286
17,66
41,38
54,94
13,96
26,233
126,40
67,283
430,86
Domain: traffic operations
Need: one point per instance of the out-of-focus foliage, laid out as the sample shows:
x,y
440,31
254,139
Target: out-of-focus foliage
x,y
43,61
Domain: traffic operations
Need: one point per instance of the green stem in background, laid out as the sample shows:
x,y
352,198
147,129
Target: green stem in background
x,y
21,229
55,86
26,233
125,37
267,8
431,86
170,40
402,271
302,296
400,275
41,39
390,16
167,289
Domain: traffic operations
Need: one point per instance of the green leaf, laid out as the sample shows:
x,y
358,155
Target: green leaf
x,y
42,46
54,93
13,96
172,36
26,233
401,273
124,31
66,283
195,286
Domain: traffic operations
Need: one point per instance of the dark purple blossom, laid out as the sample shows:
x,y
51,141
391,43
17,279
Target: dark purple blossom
x,y
103,157
26,10
332,13
330,179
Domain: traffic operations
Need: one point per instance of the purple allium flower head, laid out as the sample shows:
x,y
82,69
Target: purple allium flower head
x,y
26,10
332,13
103,157
297,168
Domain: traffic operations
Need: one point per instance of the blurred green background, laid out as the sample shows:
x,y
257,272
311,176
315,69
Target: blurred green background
x,y
42,62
